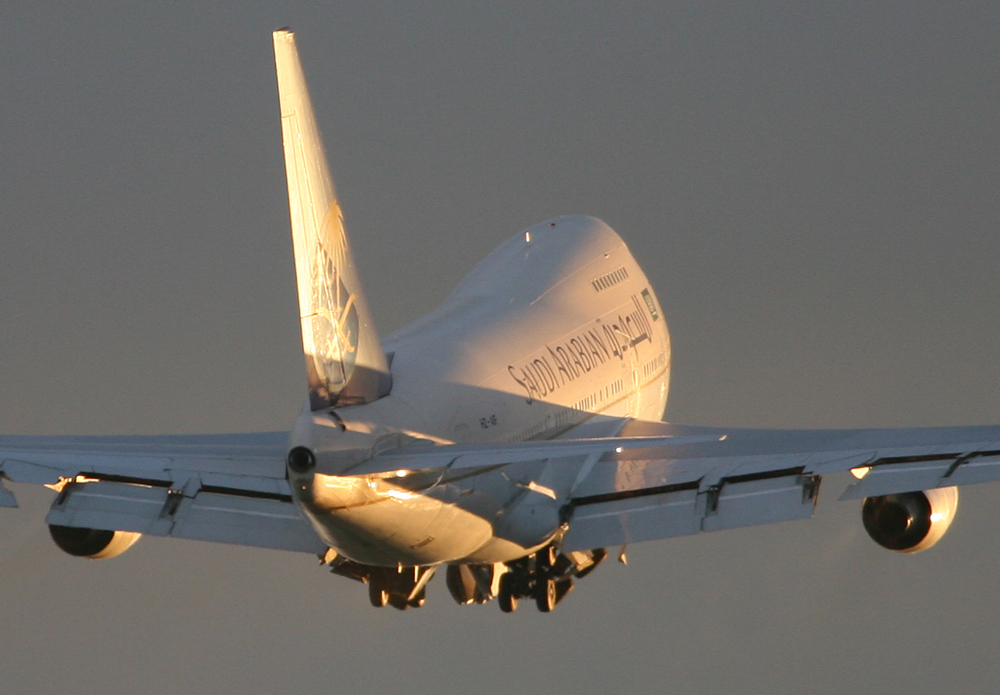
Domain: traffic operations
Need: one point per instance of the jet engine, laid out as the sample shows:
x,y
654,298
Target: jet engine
x,y
95,544
911,521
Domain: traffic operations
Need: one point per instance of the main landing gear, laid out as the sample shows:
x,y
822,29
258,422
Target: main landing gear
x,y
399,587
546,576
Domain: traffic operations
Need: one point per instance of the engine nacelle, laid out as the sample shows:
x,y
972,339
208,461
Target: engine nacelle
x,y
911,521
92,543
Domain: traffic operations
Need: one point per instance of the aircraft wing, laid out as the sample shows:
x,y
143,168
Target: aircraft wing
x,y
749,477
658,480
226,488
654,480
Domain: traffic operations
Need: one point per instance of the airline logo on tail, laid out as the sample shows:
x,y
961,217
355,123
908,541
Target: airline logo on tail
x,y
330,334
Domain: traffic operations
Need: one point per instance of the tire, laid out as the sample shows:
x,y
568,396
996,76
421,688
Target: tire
x,y
547,594
505,594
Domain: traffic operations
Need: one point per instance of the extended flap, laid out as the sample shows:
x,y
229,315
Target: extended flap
x,y
892,478
264,520
599,524
109,506
760,501
257,521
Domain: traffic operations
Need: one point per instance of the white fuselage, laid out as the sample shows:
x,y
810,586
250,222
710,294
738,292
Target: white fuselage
x,y
556,326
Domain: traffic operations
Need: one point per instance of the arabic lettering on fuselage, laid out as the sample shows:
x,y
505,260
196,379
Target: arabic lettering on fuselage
x,y
583,350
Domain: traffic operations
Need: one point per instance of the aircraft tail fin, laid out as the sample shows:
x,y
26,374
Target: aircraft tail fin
x,y
345,363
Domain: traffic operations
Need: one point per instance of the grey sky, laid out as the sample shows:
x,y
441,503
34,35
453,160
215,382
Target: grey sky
x,y
811,188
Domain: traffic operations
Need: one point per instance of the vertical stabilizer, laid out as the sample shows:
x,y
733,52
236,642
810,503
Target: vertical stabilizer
x,y
344,359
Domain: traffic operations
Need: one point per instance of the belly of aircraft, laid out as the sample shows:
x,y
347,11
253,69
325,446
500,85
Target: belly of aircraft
x,y
383,521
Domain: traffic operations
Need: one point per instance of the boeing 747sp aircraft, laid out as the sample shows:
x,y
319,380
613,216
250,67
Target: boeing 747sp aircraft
x,y
506,439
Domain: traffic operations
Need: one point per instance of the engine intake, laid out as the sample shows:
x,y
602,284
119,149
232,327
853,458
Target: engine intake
x,y
911,521
95,544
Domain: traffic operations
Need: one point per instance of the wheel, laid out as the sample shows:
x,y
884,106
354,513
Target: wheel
x,y
377,595
505,594
547,594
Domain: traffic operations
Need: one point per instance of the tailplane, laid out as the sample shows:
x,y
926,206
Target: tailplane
x,y
344,359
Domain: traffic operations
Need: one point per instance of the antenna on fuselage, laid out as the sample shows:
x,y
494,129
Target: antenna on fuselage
x,y
345,363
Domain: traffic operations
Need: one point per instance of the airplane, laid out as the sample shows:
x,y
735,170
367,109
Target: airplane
x,y
508,438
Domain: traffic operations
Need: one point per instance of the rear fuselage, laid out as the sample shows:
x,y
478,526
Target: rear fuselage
x,y
555,333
